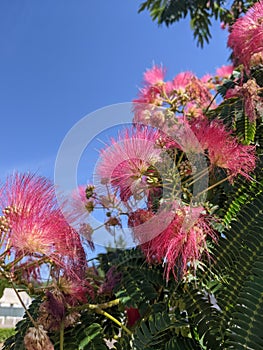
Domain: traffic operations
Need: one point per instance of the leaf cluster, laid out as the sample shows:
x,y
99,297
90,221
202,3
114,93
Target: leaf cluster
x,y
200,12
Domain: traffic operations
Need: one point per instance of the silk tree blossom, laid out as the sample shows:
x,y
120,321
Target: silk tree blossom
x,y
182,243
188,88
30,235
180,82
37,228
207,80
133,315
124,163
153,87
154,76
224,150
185,94
224,72
28,203
27,193
72,291
68,251
151,115
246,37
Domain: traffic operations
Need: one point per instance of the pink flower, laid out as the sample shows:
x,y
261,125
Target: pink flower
x,y
124,163
37,227
182,242
153,86
28,204
207,79
246,37
181,80
189,92
224,71
154,76
27,193
150,95
223,148
68,251
199,93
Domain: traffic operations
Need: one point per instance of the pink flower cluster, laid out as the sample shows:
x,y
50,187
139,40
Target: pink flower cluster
x,y
185,93
163,141
181,243
36,229
246,36
125,164
223,149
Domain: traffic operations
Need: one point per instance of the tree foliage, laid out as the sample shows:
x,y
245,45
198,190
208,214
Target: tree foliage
x,y
200,12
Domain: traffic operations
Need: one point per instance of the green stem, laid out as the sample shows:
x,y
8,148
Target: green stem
x,y
95,306
106,314
98,308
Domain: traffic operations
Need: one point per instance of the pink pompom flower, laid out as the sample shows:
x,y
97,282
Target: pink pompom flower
x,y
246,37
124,163
224,150
224,71
37,228
181,243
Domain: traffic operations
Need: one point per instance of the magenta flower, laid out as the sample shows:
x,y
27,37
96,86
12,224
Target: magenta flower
x,y
153,87
37,227
224,71
150,95
125,162
246,37
28,203
207,80
224,150
181,243
154,76
189,92
180,81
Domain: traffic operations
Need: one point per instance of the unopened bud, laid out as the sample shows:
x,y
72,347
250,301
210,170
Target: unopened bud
x,y
89,191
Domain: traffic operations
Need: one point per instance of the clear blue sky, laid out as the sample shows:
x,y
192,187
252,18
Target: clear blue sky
x,y
63,59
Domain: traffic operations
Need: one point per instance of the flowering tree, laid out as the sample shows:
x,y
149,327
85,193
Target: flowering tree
x,y
186,179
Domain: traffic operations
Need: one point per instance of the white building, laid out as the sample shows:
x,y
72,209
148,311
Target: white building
x,y
11,310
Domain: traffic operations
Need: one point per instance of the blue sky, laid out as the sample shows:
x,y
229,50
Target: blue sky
x,y
61,60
